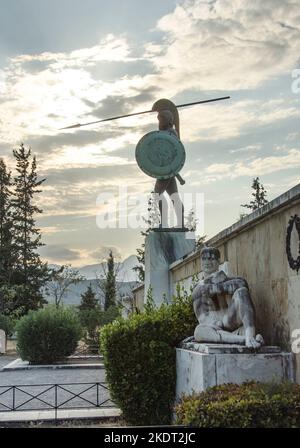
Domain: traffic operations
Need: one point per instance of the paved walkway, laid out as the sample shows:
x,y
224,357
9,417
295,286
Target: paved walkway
x,y
52,376
62,414
36,408
18,364
5,359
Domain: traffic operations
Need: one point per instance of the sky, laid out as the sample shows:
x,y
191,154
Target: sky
x,y
68,61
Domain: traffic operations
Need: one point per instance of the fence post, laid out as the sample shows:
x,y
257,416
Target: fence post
x,y
14,397
55,403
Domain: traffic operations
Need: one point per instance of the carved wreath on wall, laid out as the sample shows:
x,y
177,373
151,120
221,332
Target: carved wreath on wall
x,y
294,263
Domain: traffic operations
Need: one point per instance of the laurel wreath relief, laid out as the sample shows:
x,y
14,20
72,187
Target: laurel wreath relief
x,y
294,263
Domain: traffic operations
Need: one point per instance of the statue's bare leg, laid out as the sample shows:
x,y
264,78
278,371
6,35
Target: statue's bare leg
x,y
241,312
212,334
169,186
159,188
172,191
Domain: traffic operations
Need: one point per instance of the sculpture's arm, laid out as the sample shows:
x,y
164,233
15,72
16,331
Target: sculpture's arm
x,y
201,297
234,283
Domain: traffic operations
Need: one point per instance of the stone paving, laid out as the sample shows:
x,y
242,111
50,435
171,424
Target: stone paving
x,y
5,359
72,414
33,377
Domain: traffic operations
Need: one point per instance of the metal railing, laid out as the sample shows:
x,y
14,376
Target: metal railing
x,y
54,397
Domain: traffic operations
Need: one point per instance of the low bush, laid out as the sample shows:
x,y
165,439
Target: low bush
x,y
48,335
250,405
140,360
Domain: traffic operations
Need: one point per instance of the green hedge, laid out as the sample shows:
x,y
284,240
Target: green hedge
x,y
48,335
250,405
140,360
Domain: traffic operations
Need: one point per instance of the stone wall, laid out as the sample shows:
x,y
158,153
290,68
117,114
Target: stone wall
x,y
138,297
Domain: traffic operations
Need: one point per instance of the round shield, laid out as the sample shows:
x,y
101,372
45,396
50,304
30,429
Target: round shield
x,y
160,154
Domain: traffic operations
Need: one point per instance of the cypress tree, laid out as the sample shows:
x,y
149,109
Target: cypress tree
x,y
88,300
29,271
6,226
110,283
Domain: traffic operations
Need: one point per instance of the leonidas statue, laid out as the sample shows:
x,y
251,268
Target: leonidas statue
x,y
223,306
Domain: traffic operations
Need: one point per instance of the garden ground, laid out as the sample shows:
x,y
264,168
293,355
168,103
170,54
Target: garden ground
x,y
37,376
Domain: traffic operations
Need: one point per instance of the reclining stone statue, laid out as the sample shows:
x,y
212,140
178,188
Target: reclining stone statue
x,y
223,306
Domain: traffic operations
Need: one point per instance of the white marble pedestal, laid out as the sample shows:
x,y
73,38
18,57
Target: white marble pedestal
x,y
161,249
2,341
199,366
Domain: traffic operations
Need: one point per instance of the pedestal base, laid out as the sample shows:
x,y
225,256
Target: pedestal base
x,y
2,342
207,365
161,249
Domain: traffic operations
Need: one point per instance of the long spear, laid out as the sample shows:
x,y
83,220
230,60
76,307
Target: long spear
x,y
79,125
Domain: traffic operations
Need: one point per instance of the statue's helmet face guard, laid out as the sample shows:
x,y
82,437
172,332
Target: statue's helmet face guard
x,y
165,117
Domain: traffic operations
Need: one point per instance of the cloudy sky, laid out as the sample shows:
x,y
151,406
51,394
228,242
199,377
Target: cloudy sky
x,y
69,61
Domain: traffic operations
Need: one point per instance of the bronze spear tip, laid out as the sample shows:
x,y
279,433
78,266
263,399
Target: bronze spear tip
x,y
71,127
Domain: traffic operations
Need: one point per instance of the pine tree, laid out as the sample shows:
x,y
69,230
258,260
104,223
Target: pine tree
x,y
6,225
110,283
88,300
29,271
259,196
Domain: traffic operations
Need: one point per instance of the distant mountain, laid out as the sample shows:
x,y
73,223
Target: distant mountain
x,y
126,280
73,297
124,270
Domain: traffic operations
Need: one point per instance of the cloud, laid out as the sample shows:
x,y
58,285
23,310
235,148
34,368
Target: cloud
x,y
292,136
247,148
58,253
102,253
116,105
226,44
204,46
256,167
235,118
74,191
110,48
42,92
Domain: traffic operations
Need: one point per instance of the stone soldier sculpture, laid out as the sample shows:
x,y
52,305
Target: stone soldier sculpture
x,y
161,154
223,306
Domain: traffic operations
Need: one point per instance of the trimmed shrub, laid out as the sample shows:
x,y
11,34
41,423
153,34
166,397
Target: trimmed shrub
x,y
250,405
48,335
140,360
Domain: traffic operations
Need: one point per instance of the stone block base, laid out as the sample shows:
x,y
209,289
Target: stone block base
x,y
205,365
161,249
